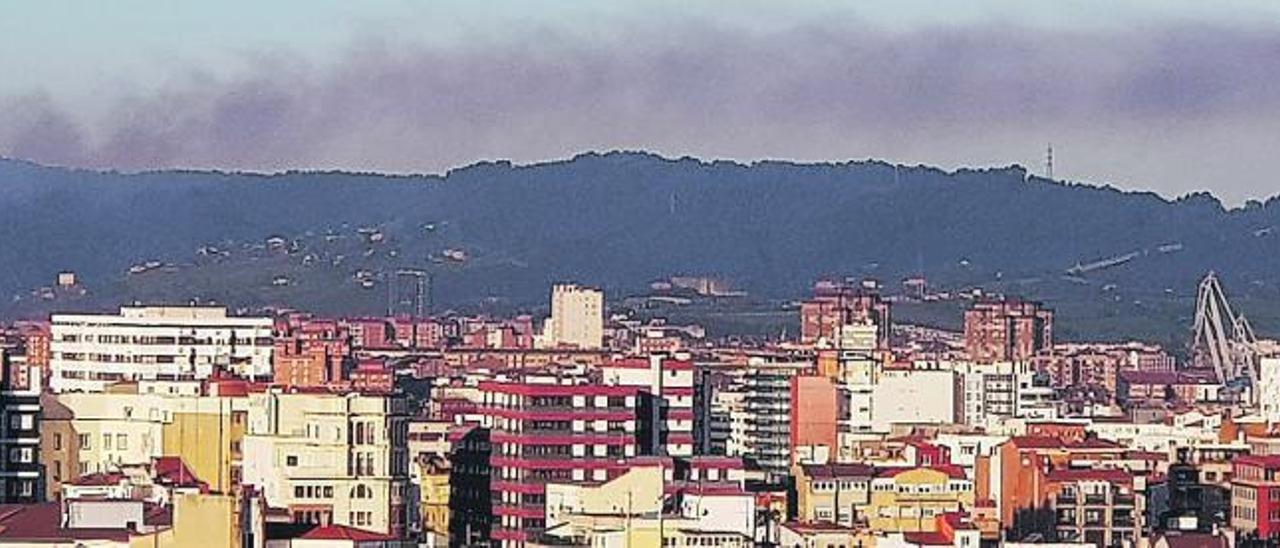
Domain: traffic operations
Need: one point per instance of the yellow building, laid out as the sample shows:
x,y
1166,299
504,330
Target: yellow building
x,y
208,433
434,495
198,520
910,499
132,424
833,493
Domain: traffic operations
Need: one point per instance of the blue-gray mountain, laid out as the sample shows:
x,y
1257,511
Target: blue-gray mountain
x,y
622,219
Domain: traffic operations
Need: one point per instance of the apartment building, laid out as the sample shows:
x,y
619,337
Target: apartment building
x,y
556,427
1099,507
331,459
915,396
90,351
638,508
21,473
835,304
1004,330
883,500
763,427
670,381
1255,495
833,493
910,499
86,433
815,414
577,317
1093,365
1018,469
310,352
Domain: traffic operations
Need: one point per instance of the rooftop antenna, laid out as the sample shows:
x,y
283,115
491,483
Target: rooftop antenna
x,y
1048,163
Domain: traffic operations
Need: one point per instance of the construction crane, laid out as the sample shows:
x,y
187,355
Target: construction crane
x,y
1223,340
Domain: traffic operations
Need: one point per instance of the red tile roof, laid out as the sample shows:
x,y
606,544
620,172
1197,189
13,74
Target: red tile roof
x,y
1265,461
343,532
1036,442
929,538
172,471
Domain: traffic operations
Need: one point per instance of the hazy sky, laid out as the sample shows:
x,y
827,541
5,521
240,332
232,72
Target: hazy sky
x,y
1162,95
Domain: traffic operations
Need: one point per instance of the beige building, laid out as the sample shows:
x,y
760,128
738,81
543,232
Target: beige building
x,y
85,433
628,511
577,317
331,458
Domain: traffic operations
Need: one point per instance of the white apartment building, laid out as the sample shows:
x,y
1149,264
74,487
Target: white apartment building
x,y
331,458
90,351
577,317
759,406
915,396
994,392
670,380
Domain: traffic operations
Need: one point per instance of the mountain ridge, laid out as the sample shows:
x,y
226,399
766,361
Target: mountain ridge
x,y
621,219
648,155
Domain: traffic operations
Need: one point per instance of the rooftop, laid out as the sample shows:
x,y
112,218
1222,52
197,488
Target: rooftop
x,y
42,523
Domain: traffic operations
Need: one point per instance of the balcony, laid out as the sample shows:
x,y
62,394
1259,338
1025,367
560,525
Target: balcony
x,y
1095,500
1066,499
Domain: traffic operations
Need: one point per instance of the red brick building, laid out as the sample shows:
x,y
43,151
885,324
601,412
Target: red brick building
x,y
1007,330
1146,388
836,304
374,333
309,352
372,376
1075,365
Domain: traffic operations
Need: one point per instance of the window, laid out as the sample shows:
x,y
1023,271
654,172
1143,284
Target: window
x,y
122,442
106,441
291,460
57,441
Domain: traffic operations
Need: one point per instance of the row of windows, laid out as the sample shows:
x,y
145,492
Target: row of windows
x,y
163,340
312,491
119,442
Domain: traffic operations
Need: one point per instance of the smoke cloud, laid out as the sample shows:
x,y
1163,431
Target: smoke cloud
x,y
1173,109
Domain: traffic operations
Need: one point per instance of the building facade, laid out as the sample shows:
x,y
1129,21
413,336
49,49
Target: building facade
x,y
91,351
577,317
1007,330
556,429
329,458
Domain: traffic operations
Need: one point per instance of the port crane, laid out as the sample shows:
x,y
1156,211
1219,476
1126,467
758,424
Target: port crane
x,y
1223,340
